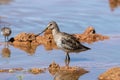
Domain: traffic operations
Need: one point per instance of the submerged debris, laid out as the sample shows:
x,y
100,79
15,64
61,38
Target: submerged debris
x,y
111,74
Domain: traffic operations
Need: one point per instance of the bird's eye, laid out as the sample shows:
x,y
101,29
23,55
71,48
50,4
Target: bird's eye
x,y
50,24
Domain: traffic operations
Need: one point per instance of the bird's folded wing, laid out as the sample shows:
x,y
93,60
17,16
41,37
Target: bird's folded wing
x,y
70,43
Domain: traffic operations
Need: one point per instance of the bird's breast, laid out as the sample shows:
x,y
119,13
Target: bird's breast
x,y
57,40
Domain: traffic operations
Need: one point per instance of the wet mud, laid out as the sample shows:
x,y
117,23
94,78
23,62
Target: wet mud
x,y
111,74
29,41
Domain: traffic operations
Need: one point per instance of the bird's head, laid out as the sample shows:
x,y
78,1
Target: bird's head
x,y
51,26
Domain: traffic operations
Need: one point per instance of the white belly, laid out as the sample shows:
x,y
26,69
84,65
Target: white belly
x,y
57,40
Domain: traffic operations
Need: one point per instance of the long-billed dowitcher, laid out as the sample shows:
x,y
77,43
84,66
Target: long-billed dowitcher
x,y
65,41
6,31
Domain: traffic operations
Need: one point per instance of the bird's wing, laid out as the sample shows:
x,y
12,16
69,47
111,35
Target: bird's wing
x,y
69,42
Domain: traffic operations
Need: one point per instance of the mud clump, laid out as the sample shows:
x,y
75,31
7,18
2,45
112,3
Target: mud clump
x,y
26,42
12,70
23,37
66,72
36,70
114,4
19,69
53,68
47,40
90,36
111,74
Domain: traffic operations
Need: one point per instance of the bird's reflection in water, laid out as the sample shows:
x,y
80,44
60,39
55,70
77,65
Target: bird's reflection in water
x,y
66,72
6,51
69,75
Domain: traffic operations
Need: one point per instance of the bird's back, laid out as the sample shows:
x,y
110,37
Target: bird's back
x,y
70,44
5,31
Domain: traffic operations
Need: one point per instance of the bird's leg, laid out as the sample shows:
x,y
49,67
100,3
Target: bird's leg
x,y
67,59
5,42
5,39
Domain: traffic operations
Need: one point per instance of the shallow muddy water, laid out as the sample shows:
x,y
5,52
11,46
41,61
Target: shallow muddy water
x,y
72,16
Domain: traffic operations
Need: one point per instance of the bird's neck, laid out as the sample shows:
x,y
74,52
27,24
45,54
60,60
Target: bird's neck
x,y
55,31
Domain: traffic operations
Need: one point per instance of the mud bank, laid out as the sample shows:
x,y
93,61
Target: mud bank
x,y
29,41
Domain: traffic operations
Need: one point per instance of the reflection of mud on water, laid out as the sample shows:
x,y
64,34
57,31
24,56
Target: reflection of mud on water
x,y
114,4
26,42
66,72
5,1
26,46
111,74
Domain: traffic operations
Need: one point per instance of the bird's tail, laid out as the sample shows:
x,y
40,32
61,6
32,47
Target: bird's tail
x,y
85,48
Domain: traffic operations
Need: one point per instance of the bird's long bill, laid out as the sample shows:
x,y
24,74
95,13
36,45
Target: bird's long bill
x,y
42,31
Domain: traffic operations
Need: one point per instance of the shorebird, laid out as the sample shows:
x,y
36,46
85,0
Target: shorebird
x,y
65,41
6,31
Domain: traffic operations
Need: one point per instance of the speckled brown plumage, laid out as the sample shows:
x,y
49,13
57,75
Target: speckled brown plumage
x,y
65,41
